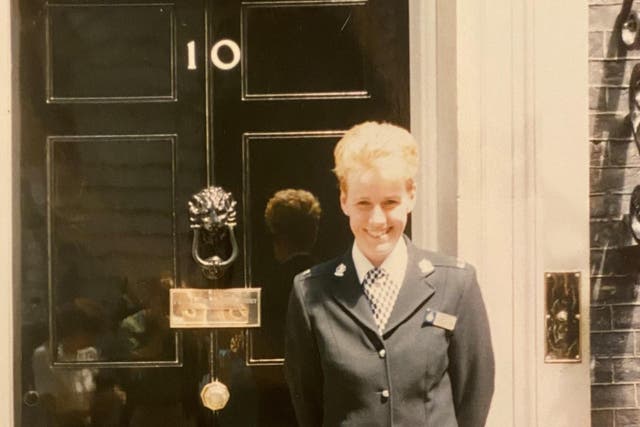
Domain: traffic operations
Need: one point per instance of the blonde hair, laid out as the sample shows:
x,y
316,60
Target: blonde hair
x,y
372,145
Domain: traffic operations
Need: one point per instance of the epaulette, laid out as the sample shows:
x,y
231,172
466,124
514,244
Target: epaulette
x,y
325,268
454,263
441,260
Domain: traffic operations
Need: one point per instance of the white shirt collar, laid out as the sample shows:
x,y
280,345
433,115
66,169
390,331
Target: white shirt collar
x,y
395,264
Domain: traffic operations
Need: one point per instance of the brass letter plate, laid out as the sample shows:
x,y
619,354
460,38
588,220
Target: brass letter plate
x,y
562,317
215,308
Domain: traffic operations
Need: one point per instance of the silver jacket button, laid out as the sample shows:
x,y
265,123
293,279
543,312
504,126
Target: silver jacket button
x,y
385,393
382,353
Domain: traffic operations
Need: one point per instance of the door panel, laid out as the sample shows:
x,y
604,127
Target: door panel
x,y
111,229
286,60
268,169
122,122
91,46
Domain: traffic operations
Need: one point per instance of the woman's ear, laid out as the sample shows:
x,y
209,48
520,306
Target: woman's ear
x,y
343,201
411,191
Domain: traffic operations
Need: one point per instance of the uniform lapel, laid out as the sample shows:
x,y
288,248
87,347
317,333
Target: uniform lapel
x,y
415,289
348,292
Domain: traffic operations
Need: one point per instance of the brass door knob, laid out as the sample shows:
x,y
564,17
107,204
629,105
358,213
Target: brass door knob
x,y
215,395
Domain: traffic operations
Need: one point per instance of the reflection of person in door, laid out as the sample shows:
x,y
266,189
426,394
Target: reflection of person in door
x,y
67,394
292,218
145,334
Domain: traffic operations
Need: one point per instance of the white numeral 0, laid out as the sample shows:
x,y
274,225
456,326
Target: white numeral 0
x,y
235,50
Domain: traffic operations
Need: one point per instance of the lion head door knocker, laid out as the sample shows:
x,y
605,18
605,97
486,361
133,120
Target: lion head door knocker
x,y
212,216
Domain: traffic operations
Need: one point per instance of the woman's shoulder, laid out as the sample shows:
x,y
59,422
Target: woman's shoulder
x,y
313,286
440,259
447,272
323,269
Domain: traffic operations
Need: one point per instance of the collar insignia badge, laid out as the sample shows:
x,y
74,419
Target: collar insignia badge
x,y
340,269
425,266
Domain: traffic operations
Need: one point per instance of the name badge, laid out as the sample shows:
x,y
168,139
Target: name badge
x,y
440,319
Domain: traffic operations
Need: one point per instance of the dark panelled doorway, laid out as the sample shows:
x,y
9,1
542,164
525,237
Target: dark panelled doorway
x,y
127,110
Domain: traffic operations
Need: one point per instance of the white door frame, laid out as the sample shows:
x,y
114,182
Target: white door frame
x,y
518,195
486,76
8,180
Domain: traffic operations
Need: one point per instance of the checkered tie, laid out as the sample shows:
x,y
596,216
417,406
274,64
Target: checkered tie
x,y
381,292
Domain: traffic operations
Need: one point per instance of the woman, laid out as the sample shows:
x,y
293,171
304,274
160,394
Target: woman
x,y
388,334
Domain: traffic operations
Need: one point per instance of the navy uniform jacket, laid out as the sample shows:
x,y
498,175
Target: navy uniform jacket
x,y
341,372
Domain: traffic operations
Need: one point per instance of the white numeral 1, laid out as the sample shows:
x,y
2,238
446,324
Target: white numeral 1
x,y
191,53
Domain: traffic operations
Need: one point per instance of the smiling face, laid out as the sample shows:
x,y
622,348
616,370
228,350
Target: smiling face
x,y
377,207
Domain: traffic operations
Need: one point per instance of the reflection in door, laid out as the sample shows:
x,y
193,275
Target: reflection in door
x,y
292,217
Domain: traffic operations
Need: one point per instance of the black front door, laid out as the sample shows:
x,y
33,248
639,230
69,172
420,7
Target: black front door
x,y
127,110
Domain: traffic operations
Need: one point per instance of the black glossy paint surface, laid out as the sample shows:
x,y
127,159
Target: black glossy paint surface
x,y
117,134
